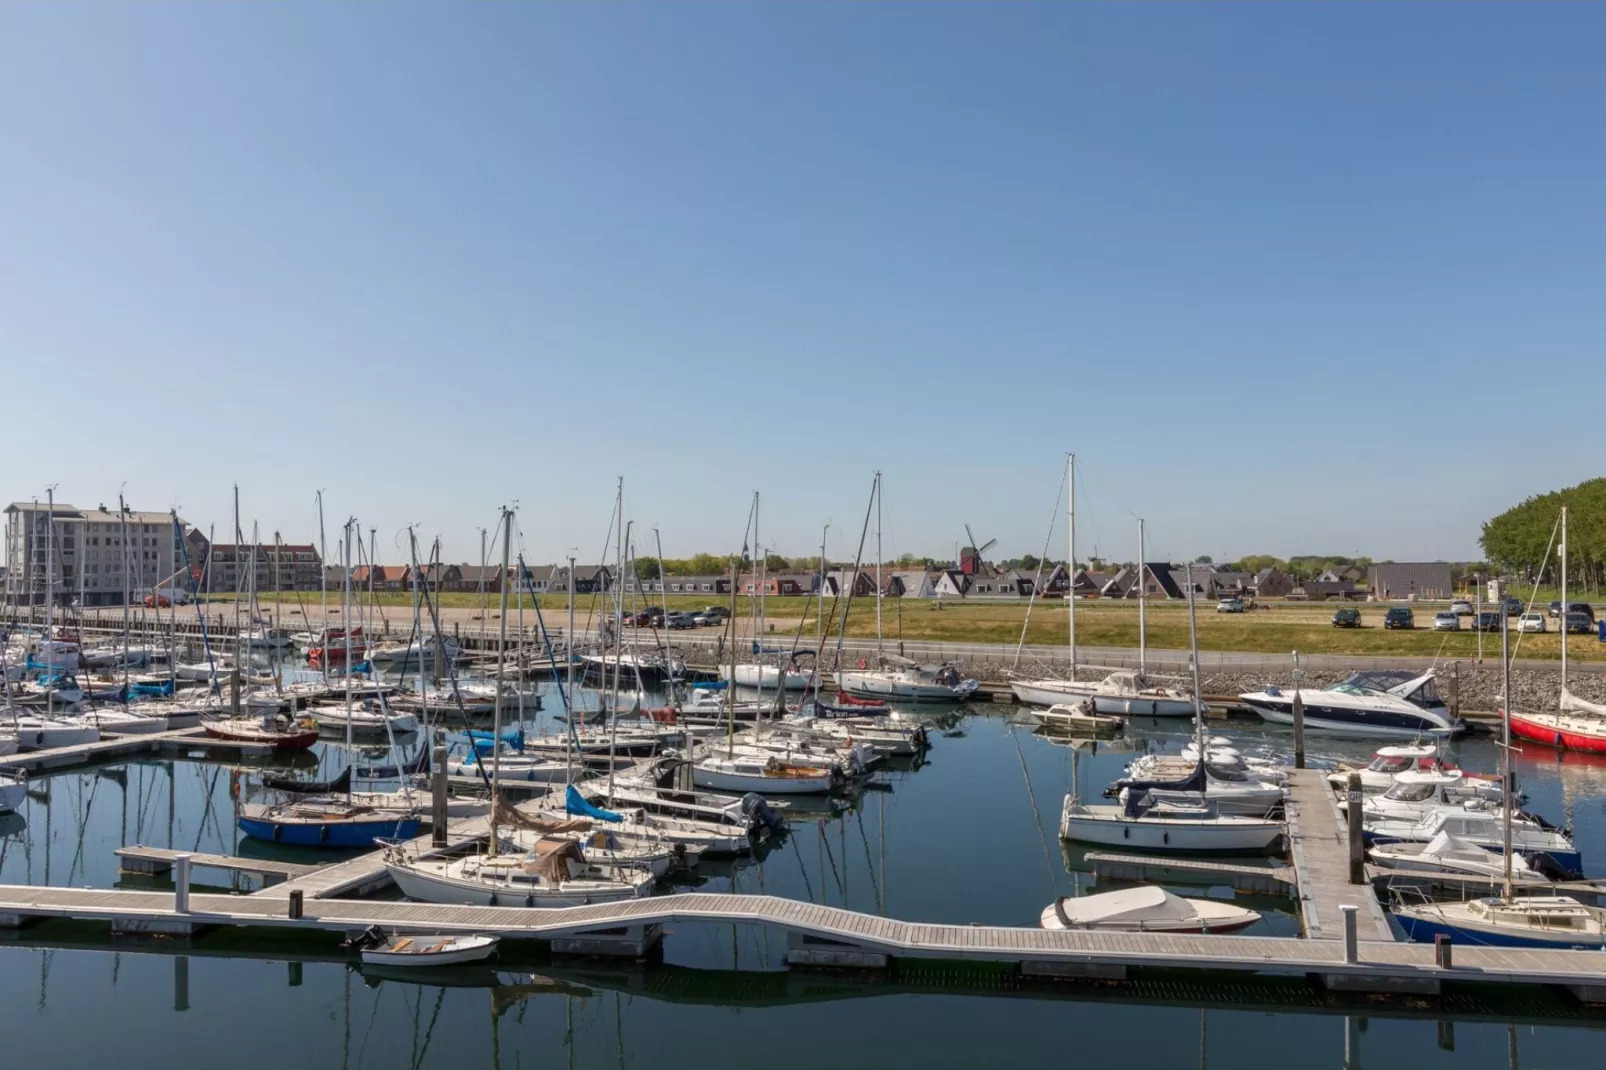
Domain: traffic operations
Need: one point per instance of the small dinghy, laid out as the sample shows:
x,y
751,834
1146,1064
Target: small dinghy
x,y
419,949
1078,717
1145,910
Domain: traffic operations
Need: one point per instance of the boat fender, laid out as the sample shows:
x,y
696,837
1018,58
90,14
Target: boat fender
x,y
1557,744
863,664
323,834
1126,833
1165,838
529,900
278,830
493,899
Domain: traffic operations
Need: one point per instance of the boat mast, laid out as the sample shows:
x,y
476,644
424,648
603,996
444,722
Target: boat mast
x,y
758,593
323,590
568,657
730,690
878,584
1070,556
1564,600
485,597
122,552
345,618
1193,659
819,621
619,663
1505,744
49,644
501,677
1143,630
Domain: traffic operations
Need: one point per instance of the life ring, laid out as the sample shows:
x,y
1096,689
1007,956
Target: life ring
x,y
863,664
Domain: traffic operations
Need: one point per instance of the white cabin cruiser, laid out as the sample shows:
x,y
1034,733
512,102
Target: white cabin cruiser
x,y
900,678
1447,855
1377,702
1132,694
1416,792
1549,849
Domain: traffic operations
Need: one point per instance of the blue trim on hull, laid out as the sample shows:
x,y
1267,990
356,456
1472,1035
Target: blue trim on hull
x,y
1318,717
1572,861
332,833
1421,931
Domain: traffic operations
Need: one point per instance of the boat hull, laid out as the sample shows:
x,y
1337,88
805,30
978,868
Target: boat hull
x,y
1422,926
742,783
430,888
868,685
461,949
1143,705
1050,692
1363,724
253,733
769,677
1563,733
331,833
1105,825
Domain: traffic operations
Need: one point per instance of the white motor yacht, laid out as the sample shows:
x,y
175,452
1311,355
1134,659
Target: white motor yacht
x,y
1132,694
1446,855
1377,702
1541,844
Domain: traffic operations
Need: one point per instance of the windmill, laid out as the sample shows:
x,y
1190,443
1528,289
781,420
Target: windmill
x,y
970,562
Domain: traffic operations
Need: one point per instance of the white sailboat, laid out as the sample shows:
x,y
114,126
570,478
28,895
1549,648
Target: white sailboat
x,y
554,873
1139,819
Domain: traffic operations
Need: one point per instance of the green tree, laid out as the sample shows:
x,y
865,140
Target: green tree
x,y
648,568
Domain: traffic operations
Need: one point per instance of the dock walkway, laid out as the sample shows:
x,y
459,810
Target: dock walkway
x,y
142,859
121,746
1319,841
1378,966
1272,880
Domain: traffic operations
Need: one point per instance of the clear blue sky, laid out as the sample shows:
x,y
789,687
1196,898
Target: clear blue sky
x,y
1288,278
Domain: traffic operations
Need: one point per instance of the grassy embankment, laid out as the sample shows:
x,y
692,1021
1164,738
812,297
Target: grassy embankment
x,y
1280,629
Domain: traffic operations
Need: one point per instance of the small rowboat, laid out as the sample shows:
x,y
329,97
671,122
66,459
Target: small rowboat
x,y
276,731
843,698
418,949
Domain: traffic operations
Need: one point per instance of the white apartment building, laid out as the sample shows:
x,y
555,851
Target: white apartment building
x,y
92,555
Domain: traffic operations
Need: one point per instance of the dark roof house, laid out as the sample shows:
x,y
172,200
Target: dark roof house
x,y
1429,580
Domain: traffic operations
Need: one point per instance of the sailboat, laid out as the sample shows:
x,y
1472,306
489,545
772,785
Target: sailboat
x,y
1576,724
1140,819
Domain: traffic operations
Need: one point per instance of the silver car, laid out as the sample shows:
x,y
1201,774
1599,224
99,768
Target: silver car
x,y
1447,621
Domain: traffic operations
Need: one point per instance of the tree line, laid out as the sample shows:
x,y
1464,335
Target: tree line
x,y
1517,539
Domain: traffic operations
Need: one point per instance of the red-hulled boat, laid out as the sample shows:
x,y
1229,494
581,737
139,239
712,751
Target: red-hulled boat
x,y
330,649
1577,725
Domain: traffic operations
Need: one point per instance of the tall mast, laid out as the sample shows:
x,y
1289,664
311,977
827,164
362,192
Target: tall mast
x,y
878,584
1505,744
501,676
1193,659
1564,599
345,620
819,622
323,591
1070,556
758,593
1143,629
568,657
619,629
50,589
122,552
485,598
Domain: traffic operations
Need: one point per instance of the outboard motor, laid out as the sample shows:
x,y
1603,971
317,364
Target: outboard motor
x,y
756,809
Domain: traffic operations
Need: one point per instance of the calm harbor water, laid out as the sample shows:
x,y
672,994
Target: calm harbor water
x,y
969,836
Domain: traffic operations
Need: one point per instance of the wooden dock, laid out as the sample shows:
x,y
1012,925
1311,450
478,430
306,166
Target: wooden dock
x,y
141,859
1319,842
831,936
122,746
1273,880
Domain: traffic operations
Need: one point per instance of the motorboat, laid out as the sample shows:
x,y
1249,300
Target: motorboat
x,y
113,656
1146,909
1559,921
1447,855
266,639
884,736
427,649
1547,848
707,705
1078,717
1220,754
511,764
765,774
553,873
1376,702
902,679
665,665
418,949
1386,764
1137,820
745,817
1131,694
1417,791
333,646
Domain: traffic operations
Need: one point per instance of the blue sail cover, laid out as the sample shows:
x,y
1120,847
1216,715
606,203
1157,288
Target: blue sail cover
x,y
163,688
575,803
709,685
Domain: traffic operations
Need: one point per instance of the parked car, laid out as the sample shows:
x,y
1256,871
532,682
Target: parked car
x,y
1488,622
1347,618
157,601
677,621
651,617
1579,623
1399,617
1513,605
1581,607
1461,607
1555,608
1230,605
712,615
1531,622
1446,621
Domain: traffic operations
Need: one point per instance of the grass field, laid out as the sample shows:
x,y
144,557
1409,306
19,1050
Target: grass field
x,y
1305,627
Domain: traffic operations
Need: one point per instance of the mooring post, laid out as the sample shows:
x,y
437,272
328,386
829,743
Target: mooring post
x,y
181,982
1455,686
295,974
437,789
1441,951
295,903
181,884
1352,948
1357,841
1299,718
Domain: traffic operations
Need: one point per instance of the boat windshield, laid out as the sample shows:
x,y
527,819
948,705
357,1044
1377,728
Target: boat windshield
x,y
1390,763
1389,682
1410,792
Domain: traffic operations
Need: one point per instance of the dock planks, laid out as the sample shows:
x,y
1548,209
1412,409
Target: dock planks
x,y
1319,839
